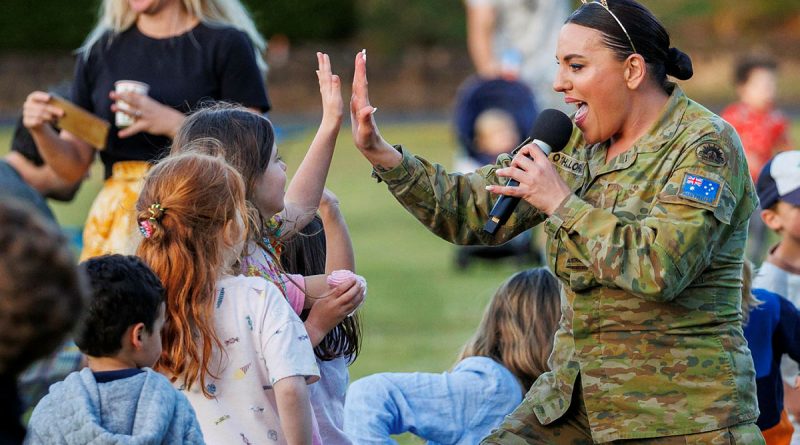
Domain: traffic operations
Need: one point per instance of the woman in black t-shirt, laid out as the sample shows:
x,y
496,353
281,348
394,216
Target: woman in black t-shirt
x,y
187,52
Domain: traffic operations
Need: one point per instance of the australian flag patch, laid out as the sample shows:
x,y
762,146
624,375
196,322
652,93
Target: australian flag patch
x,y
700,189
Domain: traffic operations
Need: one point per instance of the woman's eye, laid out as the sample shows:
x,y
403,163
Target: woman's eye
x,y
279,158
575,66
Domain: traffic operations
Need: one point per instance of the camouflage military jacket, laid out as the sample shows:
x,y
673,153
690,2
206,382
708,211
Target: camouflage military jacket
x,y
649,250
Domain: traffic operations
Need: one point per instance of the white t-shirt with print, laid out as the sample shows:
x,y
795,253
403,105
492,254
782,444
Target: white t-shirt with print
x,y
264,342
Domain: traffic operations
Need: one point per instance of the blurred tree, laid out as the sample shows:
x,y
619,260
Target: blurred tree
x,y
34,25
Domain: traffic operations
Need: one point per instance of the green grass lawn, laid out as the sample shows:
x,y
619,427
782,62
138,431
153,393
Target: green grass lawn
x,y
420,309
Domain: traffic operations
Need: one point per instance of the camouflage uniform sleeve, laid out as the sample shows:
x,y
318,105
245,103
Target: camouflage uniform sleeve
x,y
454,206
657,255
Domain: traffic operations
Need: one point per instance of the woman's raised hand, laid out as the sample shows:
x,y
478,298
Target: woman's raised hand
x,y
366,136
330,88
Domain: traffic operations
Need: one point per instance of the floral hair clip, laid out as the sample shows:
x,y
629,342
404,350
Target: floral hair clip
x,y
604,4
146,228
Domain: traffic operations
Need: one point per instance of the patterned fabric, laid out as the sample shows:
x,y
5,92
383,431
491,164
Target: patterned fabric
x,y
762,132
35,381
111,224
652,280
142,409
264,342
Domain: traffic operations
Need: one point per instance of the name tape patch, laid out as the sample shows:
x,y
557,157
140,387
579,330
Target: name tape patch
x,y
568,163
700,189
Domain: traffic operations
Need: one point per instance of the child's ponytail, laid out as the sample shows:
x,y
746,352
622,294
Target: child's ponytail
x,y
185,204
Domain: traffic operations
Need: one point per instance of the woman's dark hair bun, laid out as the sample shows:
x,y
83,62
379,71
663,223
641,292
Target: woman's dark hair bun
x,y
678,64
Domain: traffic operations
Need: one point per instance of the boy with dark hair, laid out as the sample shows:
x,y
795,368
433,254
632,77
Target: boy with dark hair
x,y
117,398
778,190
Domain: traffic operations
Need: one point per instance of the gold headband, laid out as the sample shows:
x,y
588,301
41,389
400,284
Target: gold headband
x,y
604,4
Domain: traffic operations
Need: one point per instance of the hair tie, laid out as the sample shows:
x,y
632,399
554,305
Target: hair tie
x,y
156,212
146,228
678,64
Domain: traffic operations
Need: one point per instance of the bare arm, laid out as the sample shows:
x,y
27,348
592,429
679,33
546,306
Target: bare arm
x,y
339,246
305,189
294,410
480,35
69,157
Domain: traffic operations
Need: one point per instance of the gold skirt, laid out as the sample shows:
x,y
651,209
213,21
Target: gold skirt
x,y
111,224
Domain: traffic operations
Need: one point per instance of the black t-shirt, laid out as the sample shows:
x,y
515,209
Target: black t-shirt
x,y
209,62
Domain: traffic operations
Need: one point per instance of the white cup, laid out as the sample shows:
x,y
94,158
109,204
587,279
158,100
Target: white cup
x,y
121,118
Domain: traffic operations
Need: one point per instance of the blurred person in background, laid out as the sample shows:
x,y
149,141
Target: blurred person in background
x,y
513,39
42,297
187,51
763,128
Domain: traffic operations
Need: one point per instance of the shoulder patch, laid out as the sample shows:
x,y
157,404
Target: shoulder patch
x,y
711,154
700,189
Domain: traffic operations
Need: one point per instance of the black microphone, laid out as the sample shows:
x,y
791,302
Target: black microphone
x,y
550,132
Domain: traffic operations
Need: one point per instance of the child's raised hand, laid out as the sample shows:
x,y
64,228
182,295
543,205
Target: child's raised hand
x,y
330,88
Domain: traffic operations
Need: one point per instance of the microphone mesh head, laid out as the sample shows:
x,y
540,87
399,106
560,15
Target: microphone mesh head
x,y
554,127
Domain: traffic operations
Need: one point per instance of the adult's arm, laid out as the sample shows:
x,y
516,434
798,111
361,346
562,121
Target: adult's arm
x,y
68,156
481,22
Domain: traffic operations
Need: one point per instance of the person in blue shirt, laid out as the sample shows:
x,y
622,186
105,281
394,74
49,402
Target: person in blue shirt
x,y
495,369
772,329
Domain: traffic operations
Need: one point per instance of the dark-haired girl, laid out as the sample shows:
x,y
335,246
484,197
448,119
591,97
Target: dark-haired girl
x,y
646,212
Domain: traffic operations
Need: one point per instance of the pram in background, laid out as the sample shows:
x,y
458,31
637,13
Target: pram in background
x,y
474,97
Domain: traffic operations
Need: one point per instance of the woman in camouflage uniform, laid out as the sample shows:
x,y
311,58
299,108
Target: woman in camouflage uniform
x,y
646,212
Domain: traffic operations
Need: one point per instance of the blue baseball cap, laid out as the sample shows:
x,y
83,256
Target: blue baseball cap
x,y
779,180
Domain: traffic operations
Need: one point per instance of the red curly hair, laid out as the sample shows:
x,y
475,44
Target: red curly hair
x,y
188,200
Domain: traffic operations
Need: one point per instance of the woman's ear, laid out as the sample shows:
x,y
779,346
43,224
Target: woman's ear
x,y
635,71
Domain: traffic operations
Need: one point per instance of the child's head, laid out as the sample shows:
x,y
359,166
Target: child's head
x,y
495,132
190,212
756,81
126,311
247,141
519,323
304,254
779,194
42,293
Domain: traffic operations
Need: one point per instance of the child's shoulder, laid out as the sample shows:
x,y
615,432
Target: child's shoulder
x,y
244,283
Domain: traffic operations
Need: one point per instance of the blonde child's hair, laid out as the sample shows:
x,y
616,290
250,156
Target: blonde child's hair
x,y
749,301
116,16
519,325
186,204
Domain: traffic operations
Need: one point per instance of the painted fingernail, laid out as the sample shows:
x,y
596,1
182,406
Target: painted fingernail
x,y
374,110
364,53
488,187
